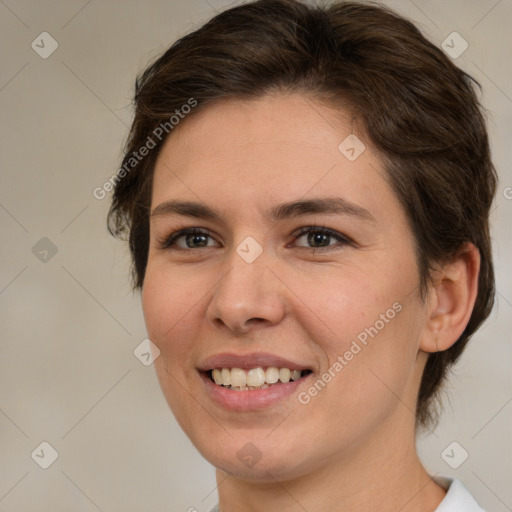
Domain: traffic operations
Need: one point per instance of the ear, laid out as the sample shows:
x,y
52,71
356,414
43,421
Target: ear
x,y
451,299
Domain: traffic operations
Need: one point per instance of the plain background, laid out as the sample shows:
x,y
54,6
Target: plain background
x,y
69,322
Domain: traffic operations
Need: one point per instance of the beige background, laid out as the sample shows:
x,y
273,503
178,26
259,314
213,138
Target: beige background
x,y
69,325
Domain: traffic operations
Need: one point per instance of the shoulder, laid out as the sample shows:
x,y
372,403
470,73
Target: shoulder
x,y
458,498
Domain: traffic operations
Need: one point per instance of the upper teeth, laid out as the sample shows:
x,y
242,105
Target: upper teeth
x,y
255,377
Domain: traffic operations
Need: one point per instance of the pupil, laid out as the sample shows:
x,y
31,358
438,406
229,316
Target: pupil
x,y
194,237
320,238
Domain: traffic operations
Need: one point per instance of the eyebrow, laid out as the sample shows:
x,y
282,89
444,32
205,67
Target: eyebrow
x,y
333,205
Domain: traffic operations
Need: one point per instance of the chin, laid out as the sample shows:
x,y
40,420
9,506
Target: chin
x,y
255,461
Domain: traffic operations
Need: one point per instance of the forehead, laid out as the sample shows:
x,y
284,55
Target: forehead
x,y
252,154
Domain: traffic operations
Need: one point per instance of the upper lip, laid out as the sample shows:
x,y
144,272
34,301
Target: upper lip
x,y
248,361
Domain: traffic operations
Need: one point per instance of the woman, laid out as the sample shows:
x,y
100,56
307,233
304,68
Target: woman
x,y
306,193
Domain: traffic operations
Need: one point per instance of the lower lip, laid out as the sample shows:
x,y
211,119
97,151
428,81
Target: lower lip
x,y
250,400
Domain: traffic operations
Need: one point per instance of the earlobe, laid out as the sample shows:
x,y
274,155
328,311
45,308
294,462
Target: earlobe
x,y
451,300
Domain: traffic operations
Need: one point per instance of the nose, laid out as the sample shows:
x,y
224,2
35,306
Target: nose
x,y
248,296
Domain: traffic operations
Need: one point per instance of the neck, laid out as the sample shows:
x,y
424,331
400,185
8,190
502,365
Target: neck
x,y
382,473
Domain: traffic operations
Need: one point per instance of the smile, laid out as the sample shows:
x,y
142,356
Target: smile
x,y
266,378
237,379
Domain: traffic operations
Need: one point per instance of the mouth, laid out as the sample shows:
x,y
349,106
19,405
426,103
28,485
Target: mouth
x,y
253,379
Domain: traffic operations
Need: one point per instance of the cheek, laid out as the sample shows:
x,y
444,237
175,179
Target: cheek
x,y
378,367
361,302
173,303
167,309
371,318
167,316
155,306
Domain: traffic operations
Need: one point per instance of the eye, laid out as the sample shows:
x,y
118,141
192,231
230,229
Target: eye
x,y
315,237
321,238
191,238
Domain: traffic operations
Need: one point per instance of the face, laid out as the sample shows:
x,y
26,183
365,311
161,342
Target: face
x,y
299,258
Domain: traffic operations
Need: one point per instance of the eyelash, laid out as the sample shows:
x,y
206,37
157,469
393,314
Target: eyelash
x,y
169,241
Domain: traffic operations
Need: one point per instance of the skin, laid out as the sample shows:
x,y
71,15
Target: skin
x,y
352,447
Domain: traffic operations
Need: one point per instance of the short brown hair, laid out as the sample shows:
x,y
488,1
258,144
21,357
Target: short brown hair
x,y
418,108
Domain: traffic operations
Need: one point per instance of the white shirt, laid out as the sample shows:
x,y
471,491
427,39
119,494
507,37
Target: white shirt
x,y
457,498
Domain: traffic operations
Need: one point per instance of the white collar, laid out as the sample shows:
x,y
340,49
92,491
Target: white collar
x,y
457,498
